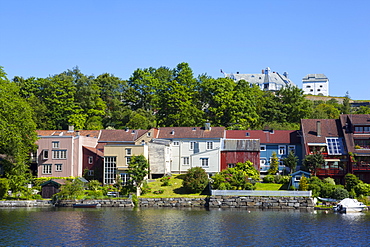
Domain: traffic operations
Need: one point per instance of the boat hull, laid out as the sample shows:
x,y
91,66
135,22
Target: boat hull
x,y
85,205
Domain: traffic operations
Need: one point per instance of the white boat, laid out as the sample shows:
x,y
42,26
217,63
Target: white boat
x,y
349,205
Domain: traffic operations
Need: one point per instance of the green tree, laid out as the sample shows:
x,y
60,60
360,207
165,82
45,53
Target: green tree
x,y
138,170
71,190
362,189
303,184
274,164
363,110
17,134
291,162
346,106
351,181
313,162
195,180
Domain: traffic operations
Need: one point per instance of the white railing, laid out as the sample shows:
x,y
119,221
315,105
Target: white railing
x,y
261,193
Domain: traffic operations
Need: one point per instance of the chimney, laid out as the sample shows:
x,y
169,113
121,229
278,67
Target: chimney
x,y
207,126
318,128
71,128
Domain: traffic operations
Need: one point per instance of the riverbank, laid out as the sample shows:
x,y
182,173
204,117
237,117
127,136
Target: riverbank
x,y
26,203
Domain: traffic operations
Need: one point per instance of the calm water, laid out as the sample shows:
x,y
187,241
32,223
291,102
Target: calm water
x,y
180,227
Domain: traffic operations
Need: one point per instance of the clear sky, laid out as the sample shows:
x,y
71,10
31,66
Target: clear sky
x,y
42,38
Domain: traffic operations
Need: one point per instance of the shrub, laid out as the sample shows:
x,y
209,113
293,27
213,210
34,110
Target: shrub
x,y
281,179
340,193
329,180
145,188
165,181
195,180
303,184
362,189
268,179
4,187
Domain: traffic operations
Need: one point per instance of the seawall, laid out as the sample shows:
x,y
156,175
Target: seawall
x,y
28,203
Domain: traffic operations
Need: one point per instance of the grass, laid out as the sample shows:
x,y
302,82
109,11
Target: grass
x,y
268,186
174,190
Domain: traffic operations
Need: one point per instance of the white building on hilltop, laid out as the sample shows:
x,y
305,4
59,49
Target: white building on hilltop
x,y
316,84
267,80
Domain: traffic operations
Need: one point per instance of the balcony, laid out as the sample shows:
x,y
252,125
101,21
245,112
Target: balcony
x,y
330,172
361,166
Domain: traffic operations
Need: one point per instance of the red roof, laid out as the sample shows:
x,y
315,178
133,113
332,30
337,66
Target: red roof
x,y
329,128
190,132
56,133
95,150
275,136
121,135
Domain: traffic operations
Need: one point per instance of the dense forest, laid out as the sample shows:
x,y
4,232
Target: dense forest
x,y
165,97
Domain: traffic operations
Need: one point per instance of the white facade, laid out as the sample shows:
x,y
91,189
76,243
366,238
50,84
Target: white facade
x,y
316,84
188,153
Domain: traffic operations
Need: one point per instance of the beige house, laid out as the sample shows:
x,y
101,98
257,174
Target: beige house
x,y
119,146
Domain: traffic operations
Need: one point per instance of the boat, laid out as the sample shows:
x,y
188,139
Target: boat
x,y
86,205
349,205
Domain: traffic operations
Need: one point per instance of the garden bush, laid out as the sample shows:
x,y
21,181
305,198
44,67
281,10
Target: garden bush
x,y
195,180
4,187
269,179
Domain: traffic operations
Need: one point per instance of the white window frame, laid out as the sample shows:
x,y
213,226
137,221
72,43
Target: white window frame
x,y
110,166
90,173
59,154
58,167
128,160
91,159
192,145
291,148
47,168
231,165
45,154
185,161
297,178
262,147
204,162
263,161
125,177
55,144
282,149
176,143
209,145
128,151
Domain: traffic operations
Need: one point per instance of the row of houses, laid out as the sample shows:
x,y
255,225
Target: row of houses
x,y
105,154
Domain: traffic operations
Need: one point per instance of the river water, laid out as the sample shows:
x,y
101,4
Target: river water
x,y
180,227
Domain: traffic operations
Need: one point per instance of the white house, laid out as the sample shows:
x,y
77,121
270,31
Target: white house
x,y
316,84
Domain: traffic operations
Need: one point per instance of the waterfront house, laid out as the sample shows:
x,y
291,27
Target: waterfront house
x,y
356,131
326,136
118,147
60,152
296,178
51,187
280,142
193,146
92,163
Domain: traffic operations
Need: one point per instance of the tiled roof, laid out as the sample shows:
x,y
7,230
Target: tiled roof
x,y
95,150
276,136
190,132
89,133
329,128
348,121
356,119
121,135
259,78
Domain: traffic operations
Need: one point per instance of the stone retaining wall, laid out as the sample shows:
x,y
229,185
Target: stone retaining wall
x,y
102,202
173,202
30,203
260,202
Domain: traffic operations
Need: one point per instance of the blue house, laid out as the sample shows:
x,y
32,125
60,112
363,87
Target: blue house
x,y
296,178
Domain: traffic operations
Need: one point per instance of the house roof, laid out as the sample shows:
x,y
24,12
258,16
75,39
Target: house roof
x,y
348,121
259,79
329,128
314,78
126,135
355,119
56,133
189,132
307,174
57,182
95,151
276,136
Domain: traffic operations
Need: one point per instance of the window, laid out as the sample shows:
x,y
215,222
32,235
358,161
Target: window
x,y
58,167
91,159
59,154
55,144
125,177
90,173
335,146
263,162
175,143
110,169
149,134
45,154
291,148
308,86
231,165
46,169
128,151
282,150
209,145
311,90
297,178
128,160
366,129
320,85
204,162
192,145
185,161
263,148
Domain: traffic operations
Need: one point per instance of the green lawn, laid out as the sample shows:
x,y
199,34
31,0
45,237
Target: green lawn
x,y
175,189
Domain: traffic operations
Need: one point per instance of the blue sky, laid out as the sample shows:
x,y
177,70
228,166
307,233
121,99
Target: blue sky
x,y
41,38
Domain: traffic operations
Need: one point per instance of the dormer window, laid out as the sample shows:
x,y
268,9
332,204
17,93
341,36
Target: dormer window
x,y
247,134
149,134
194,129
172,132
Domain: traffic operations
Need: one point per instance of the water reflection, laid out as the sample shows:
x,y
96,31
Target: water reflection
x,y
180,227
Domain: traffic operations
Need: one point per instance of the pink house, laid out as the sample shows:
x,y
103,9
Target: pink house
x,y
60,152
